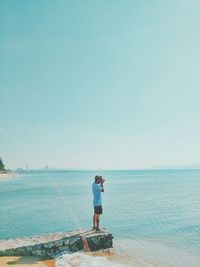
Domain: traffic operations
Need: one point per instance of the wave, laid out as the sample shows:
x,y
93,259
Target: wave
x,y
131,253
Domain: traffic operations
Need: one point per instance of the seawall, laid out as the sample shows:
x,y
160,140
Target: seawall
x,y
53,244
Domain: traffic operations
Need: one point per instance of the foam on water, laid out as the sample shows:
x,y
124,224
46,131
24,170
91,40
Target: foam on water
x,y
131,253
81,259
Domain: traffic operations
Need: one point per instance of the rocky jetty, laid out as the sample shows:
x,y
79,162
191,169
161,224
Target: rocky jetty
x,y
53,244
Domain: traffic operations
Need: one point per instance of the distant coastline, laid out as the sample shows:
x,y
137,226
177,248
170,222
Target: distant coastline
x,y
13,173
187,168
7,175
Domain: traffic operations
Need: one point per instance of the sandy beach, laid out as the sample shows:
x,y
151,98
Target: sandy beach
x,y
7,175
26,261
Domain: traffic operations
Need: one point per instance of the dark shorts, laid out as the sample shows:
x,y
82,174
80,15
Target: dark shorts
x,y
98,210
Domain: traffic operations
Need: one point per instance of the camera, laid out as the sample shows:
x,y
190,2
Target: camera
x,y
102,180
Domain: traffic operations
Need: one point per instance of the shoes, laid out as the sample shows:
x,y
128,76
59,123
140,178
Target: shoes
x,y
97,229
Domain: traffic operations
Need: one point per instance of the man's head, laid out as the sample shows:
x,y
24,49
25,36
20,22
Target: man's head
x,y
98,179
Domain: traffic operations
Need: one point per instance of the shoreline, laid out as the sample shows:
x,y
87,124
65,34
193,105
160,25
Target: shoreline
x,y
26,261
7,175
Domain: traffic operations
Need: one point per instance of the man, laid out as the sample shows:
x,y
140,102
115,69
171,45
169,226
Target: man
x,y
97,188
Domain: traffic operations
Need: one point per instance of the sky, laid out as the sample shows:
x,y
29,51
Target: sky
x,y
99,84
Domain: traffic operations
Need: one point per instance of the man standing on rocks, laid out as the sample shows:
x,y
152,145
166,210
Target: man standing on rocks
x,y
97,188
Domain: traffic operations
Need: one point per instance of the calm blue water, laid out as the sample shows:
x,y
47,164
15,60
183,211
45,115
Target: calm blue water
x,y
156,207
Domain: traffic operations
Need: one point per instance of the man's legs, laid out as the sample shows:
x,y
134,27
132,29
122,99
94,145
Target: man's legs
x,y
96,219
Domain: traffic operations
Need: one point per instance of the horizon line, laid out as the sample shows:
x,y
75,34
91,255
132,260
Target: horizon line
x,y
85,169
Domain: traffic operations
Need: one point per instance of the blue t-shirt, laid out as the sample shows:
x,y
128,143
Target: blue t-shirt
x,y
96,189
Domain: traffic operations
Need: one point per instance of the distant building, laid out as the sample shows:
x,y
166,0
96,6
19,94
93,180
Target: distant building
x,y
20,170
46,168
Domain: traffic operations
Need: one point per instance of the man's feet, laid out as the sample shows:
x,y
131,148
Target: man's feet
x,y
97,229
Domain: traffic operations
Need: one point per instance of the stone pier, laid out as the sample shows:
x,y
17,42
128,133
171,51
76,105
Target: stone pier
x,y
53,244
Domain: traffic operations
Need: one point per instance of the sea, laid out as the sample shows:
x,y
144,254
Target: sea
x,y
154,215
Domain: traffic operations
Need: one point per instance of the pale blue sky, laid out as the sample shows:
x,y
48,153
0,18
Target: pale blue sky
x,y
88,84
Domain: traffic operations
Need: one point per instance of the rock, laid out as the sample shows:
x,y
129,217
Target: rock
x,y
66,242
75,244
56,243
48,245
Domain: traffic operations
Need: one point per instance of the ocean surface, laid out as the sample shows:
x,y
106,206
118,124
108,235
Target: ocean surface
x,y
153,215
